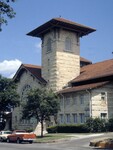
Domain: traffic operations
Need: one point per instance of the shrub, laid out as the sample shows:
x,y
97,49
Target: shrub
x,y
79,128
96,125
110,125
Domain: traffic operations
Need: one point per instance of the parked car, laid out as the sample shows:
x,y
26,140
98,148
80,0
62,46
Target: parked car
x,y
19,136
4,134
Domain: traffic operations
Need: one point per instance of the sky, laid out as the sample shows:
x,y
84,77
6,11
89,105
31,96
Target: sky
x,y
17,48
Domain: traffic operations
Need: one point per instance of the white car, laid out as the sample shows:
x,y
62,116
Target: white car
x,y
4,134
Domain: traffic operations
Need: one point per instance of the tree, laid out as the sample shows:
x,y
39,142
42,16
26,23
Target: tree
x,y
41,104
8,97
6,9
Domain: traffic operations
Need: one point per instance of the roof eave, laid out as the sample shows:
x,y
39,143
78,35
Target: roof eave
x,y
92,80
81,29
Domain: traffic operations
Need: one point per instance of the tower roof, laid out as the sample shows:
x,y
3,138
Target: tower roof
x,y
61,23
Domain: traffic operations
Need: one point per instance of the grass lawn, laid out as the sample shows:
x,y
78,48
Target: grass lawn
x,y
53,137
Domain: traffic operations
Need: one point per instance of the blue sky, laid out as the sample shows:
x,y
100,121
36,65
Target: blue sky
x,y
16,47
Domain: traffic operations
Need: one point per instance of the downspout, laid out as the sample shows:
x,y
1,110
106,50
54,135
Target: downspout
x,y
90,102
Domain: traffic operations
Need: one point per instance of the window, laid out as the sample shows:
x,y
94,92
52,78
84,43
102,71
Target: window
x,y
82,117
81,99
67,101
67,44
103,96
49,45
61,118
68,118
103,115
74,100
25,91
74,118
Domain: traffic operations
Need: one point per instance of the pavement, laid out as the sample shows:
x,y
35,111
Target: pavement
x,y
100,140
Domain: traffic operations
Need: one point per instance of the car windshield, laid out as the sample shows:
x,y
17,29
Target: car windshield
x,y
20,131
7,132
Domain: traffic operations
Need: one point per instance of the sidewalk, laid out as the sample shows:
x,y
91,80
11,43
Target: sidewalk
x,y
86,135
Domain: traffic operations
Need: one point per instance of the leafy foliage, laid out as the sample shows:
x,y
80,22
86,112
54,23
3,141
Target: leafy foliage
x,y
6,9
41,104
110,125
96,124
8,97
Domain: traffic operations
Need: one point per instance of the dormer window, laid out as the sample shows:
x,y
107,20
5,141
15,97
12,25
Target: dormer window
x,y
67,44
49,45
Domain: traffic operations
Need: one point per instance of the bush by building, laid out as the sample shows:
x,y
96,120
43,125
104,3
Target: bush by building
x,y
92,125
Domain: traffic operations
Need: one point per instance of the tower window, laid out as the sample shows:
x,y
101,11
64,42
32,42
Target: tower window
x,y
49,45
103,95
67,44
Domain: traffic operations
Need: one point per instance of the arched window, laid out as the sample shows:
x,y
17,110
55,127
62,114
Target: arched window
x,y
25,91
49,45
68,44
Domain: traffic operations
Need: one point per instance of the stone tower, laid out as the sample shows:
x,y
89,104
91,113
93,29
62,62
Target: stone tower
x,y
60,50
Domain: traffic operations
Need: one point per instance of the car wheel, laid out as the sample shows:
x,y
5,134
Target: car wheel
x,y
18,141
8,140
30,142
1,139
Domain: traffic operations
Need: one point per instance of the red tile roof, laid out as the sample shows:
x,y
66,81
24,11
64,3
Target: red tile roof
x,y
93,71
61,23
85,60
33,69
89,72
83,87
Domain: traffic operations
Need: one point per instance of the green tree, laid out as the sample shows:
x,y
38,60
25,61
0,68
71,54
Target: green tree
x,y
41,104
6,10
8,97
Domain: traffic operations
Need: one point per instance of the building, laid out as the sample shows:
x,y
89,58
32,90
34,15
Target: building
x,y
86,89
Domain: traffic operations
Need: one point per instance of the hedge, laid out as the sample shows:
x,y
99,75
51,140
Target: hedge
x,y
79,128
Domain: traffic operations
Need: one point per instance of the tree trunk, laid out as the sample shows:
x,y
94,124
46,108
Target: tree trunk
x,y
42,127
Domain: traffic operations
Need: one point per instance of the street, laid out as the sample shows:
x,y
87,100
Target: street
x,y
72,144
